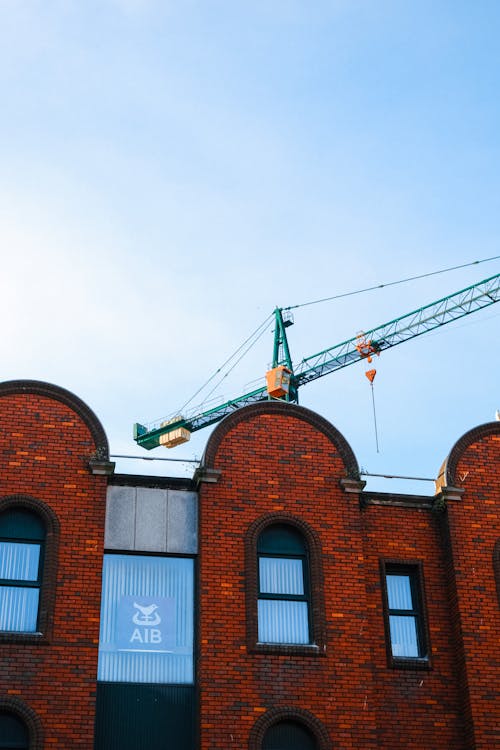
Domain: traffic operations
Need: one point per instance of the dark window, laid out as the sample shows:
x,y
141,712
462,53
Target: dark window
x,y
404,612
283,586
288,735
13,733
22,535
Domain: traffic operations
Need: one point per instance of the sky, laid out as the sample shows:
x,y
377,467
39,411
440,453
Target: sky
x,y
173,171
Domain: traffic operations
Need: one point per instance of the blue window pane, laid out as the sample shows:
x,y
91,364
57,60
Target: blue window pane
x,y
18,608
404,640
280,575
147,619
282,621
19,562
399,592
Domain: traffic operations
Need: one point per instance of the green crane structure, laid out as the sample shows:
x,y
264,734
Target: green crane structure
x,y
363,346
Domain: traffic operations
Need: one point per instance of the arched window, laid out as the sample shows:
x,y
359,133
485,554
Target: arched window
x,y
283,586
288,735
13,732
288,728
22,538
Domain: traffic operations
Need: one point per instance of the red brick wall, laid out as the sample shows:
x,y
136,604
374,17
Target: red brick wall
x,y
473,530
274,463
45,446
414,708
281,462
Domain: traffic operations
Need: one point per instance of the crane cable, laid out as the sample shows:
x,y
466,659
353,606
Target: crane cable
x,y
253,338
392,283
263,331
371,373
374,417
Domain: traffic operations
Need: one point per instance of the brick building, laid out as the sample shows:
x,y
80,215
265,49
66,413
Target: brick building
x,y
269,603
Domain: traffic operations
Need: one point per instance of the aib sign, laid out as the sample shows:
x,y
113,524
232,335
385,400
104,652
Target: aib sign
x,y
146,624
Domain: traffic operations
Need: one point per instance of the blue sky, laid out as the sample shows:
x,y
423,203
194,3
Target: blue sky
x,y
171,171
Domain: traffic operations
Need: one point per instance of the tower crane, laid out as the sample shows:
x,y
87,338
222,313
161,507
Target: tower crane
x,y
284,381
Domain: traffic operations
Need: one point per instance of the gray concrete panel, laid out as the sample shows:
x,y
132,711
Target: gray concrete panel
x,y
120,518
151,520
182,522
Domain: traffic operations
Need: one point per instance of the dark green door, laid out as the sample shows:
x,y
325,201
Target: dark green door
x,y
135,717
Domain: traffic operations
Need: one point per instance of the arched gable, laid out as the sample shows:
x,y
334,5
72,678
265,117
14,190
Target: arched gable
x,y
448,476
39,388
280,408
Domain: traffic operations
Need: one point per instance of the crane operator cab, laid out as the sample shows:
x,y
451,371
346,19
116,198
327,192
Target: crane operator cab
x,y
278,381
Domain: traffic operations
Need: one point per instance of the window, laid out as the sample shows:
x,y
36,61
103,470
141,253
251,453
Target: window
x,y
283,586
22,536
288,735
285,607
287,728
147,616
13,733
404,613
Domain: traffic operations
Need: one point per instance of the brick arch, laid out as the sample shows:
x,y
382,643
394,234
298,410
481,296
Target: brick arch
x,y
275,715
12,704
49,577
284,409
54,392
448,472
316,574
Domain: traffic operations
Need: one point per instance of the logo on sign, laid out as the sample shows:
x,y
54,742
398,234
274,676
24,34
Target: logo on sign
x,y
145,615
146,625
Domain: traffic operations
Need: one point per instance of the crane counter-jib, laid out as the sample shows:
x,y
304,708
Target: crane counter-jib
x,y
152,438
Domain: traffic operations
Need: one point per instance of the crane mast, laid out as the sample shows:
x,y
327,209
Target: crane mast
x,y
286,381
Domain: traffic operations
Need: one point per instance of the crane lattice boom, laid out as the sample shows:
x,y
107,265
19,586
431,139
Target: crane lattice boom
x,y
434,315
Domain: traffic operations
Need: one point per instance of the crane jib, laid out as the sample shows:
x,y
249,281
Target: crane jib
x,y
406,327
